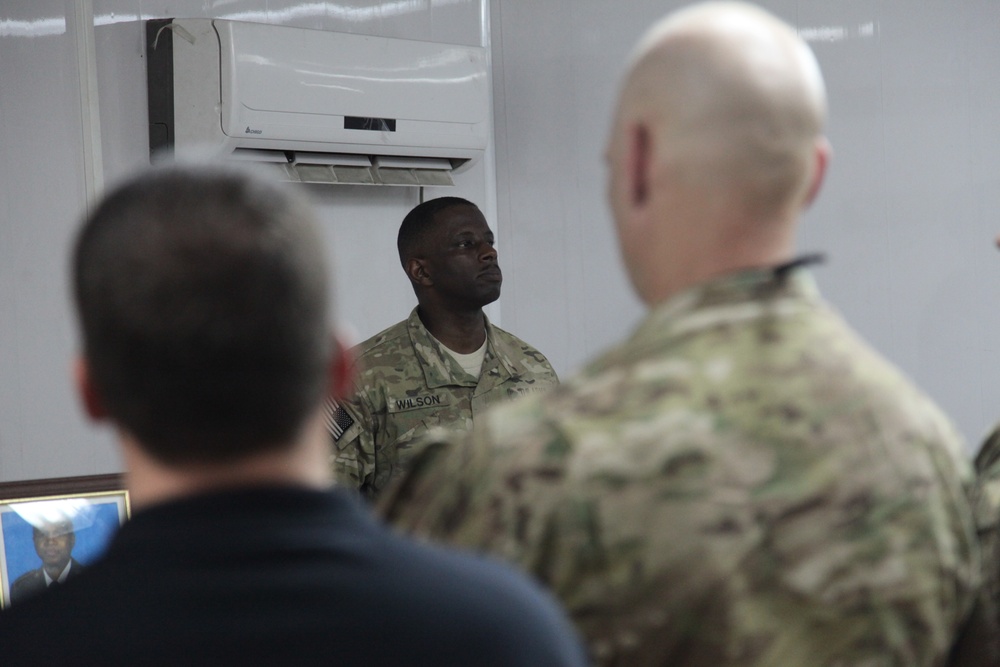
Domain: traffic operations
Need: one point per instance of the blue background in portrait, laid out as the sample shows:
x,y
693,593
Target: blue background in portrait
x,y
91,541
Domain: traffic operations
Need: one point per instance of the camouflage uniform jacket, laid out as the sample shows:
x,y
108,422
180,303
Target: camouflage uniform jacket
x,y
742,482
987,508
407,383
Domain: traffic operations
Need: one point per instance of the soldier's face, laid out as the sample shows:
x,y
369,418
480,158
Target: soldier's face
x,y
53,544
460,257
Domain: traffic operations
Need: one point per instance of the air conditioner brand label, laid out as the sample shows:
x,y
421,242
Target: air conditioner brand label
x,y
249,131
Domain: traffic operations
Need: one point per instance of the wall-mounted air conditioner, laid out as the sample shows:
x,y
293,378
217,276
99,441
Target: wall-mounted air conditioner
x,y
319,106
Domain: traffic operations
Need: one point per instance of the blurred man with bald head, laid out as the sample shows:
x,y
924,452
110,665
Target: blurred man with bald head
x,y
743,481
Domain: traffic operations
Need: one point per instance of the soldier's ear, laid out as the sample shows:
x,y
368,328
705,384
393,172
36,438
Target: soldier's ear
x,y
417,271
91,399
821,158
639,163
341,369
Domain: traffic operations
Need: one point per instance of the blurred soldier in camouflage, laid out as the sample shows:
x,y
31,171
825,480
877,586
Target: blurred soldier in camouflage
x,y
743,481
445,363
988,508
987,505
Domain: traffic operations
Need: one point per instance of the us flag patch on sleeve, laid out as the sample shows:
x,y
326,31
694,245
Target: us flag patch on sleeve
x,y
337,419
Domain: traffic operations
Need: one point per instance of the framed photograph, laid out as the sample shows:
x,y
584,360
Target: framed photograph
x,y
52,529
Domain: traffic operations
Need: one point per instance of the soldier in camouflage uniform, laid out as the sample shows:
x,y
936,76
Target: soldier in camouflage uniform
x,y
444,364
987,505
743,481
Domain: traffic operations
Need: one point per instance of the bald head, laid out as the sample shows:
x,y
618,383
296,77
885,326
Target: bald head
x,y
738,98
720,120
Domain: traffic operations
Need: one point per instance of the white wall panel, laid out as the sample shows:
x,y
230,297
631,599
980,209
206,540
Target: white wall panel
x,y
554,76
899,214
848,222
41,190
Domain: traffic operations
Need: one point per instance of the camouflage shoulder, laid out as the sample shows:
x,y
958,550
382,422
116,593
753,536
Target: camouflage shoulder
x,y
377,360
509,341
349,456
986,507
517,349
344,421
988,456
458,485
401,502
387,339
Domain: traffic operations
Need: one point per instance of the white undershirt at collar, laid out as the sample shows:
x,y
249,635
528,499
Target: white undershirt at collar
x,y
471,363
62,575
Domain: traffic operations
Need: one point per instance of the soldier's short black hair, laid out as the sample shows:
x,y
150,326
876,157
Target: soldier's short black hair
x,y
203,303
418,221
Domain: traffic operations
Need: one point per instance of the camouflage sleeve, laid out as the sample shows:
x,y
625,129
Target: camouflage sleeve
x,y
523,503
353,453
986,507
510,497
446,469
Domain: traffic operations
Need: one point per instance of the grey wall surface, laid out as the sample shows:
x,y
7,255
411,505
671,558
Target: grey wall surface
x,y
907,217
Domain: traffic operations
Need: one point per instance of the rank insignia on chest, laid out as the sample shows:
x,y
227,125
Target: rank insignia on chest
x,y
514,392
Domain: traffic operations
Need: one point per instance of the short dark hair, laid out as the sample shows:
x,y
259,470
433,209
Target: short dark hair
x,y
419,221
203,301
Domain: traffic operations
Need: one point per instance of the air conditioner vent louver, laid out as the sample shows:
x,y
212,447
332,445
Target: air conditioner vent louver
x,y
346,169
